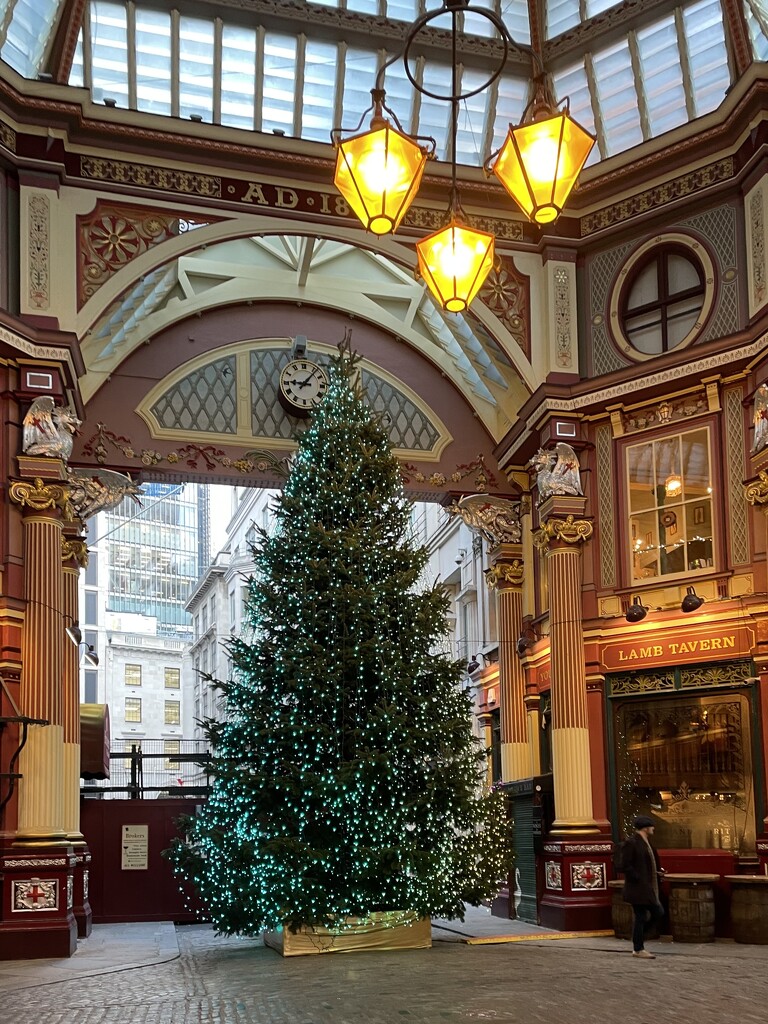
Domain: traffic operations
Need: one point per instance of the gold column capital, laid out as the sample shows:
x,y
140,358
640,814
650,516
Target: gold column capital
x,y
563,531
38,495
756,493
74,550
505,574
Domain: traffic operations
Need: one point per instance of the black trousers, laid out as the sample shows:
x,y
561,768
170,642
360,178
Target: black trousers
x,y
645,914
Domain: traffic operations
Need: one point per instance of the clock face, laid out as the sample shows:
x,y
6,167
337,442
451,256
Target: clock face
x,y
302,386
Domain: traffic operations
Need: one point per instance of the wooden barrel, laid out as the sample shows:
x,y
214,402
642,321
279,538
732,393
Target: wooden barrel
x,y
692,912
623,916
621,912
749,909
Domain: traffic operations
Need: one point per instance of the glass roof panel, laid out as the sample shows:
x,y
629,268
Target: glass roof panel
x,y
662,75
707,54
196,48
359,78
109,47
279,83
153,61
617,94
26,29
320,61
250,75
757,20
238,76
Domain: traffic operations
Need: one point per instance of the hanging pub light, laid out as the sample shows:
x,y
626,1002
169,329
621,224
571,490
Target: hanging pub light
x,y
542,157
379,171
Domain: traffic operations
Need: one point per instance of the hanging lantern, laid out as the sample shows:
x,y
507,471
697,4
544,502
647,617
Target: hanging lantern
x,y
540,161
454,262
379,172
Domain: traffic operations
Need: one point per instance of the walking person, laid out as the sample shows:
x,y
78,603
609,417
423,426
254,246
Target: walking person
x,y
642,870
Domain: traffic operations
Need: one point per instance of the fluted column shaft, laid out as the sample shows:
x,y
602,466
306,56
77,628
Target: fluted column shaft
x,y
561,540
506,578
74,554
41,812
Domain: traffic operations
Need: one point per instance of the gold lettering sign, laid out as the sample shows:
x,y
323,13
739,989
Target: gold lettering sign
x,y
692,647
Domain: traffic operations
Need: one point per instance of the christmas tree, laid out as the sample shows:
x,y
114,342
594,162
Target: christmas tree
x,y
346,778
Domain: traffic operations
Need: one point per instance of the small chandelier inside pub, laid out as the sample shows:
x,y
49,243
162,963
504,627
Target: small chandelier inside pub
x,y
379,170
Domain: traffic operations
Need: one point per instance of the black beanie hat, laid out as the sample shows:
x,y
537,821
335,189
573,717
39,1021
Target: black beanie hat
x,y
643,822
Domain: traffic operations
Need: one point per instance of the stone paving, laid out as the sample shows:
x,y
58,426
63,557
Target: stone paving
x,y
238,981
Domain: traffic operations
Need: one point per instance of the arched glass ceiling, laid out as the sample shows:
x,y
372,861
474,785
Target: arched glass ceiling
x,y
270,69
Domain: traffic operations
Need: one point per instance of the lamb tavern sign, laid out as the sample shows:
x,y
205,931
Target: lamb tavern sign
x,y
698,645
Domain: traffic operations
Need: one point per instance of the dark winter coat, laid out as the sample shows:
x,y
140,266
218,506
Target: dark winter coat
x,y
636,865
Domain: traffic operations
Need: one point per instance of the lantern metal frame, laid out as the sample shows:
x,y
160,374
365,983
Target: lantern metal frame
x,y
541,105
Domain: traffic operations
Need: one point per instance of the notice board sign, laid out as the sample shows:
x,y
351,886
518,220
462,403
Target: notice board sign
x,y
135,848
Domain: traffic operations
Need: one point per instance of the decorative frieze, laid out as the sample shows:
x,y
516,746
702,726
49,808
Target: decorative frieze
x,y
39,251
658,196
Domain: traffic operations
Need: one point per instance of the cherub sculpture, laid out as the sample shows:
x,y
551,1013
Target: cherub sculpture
x,y
557,472
760,419
49,429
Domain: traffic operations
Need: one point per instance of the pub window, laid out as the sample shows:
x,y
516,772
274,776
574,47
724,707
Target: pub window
x,y
133,709
133,675
686,762
670,505
496,772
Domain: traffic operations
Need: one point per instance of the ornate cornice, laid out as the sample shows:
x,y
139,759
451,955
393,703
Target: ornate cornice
x,y
39,496
567,531
505,574
757,493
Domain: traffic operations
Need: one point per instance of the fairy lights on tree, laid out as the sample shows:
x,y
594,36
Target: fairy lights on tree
x,y
346,776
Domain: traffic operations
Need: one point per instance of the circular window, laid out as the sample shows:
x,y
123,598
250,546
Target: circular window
x,y
662,297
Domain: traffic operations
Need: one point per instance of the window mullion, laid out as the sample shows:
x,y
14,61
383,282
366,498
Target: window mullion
x,y
131,56
218,38
175,62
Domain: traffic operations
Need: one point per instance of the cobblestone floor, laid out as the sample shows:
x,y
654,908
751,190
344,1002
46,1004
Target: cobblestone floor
x,y
238,981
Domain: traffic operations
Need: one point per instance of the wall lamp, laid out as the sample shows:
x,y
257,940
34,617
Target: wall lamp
x,y
636,611
477,661
379,171
526,640
90,657
74,633
691,602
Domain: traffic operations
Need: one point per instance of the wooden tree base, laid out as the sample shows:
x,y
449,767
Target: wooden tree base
x,y
380,931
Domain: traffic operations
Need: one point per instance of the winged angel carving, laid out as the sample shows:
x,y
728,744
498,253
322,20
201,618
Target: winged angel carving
x,y
49,429
557,472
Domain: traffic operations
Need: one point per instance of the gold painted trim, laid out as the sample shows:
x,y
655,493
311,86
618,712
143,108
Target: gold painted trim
x,y
568,531
39,496
505,574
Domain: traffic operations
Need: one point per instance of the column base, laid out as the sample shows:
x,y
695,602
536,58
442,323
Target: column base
x,y
36,918
81,906
576,894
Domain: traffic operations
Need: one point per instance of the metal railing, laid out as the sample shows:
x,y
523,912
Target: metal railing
x,y
147,770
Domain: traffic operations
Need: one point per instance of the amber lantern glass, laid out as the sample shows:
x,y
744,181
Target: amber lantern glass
x,y
379,172
539,164
454,262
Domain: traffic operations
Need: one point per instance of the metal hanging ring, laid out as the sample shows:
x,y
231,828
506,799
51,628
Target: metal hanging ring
x,y
424,20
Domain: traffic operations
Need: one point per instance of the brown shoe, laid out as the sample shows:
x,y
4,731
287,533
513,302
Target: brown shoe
x,y
643,954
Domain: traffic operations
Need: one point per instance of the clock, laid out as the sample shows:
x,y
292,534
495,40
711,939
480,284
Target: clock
x,y
302,386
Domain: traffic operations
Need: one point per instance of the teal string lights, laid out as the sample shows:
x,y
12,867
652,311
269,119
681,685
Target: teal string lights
x,y
346,779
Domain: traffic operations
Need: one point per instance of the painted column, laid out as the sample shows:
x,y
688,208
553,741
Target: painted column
x,y
41,763
560,537
506,577
74,555
497,520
